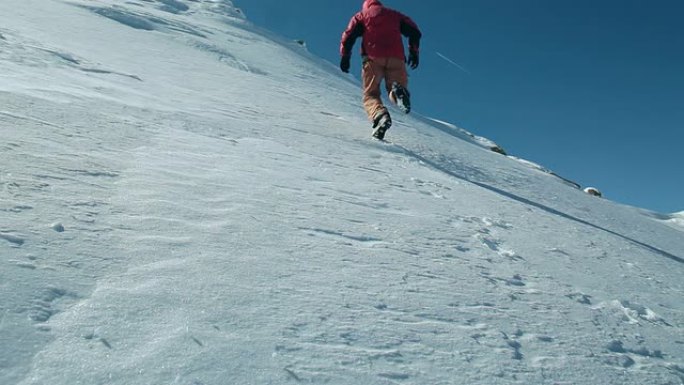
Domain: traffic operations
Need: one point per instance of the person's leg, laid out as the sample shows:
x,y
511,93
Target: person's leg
x,y
372,75
396,73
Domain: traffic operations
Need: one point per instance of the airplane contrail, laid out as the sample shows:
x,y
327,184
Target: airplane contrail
x,y
452,62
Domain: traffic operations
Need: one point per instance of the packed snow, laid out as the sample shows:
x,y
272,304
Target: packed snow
x,y
186,198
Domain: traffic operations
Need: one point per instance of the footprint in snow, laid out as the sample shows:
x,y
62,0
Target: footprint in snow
x,y
582,298
516,280
495,246
632,313
485,222
514,343
433,189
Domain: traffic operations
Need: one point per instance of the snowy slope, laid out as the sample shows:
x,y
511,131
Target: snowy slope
x,y
187,199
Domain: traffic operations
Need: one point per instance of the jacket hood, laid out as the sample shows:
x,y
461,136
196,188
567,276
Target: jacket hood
x,y
369,3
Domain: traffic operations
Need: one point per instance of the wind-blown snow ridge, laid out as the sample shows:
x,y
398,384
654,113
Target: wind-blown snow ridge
x,y
468,136
675,220
678,219
186,198
490,145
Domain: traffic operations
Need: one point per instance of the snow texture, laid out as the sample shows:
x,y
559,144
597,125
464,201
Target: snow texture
x,y
186,198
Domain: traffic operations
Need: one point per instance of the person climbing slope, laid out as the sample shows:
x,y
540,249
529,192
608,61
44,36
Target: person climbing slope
x,y
382,50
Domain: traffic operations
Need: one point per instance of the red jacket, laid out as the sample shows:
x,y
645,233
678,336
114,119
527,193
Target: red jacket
x,y
381,29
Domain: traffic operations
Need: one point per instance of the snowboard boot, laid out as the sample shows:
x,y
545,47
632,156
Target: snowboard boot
x,y
402,96
381,124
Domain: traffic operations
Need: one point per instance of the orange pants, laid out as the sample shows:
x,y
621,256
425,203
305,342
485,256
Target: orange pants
x,y
374,72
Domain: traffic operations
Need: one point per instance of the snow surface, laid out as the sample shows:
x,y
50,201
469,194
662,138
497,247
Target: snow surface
x,y
186,198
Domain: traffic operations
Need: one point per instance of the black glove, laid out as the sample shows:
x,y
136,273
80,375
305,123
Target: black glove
x,y
344,64
413,59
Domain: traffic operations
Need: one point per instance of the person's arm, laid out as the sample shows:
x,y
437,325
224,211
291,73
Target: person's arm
x,y
354,31
410,29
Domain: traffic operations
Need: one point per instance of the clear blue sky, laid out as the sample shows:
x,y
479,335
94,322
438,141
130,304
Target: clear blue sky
x,y
591,89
